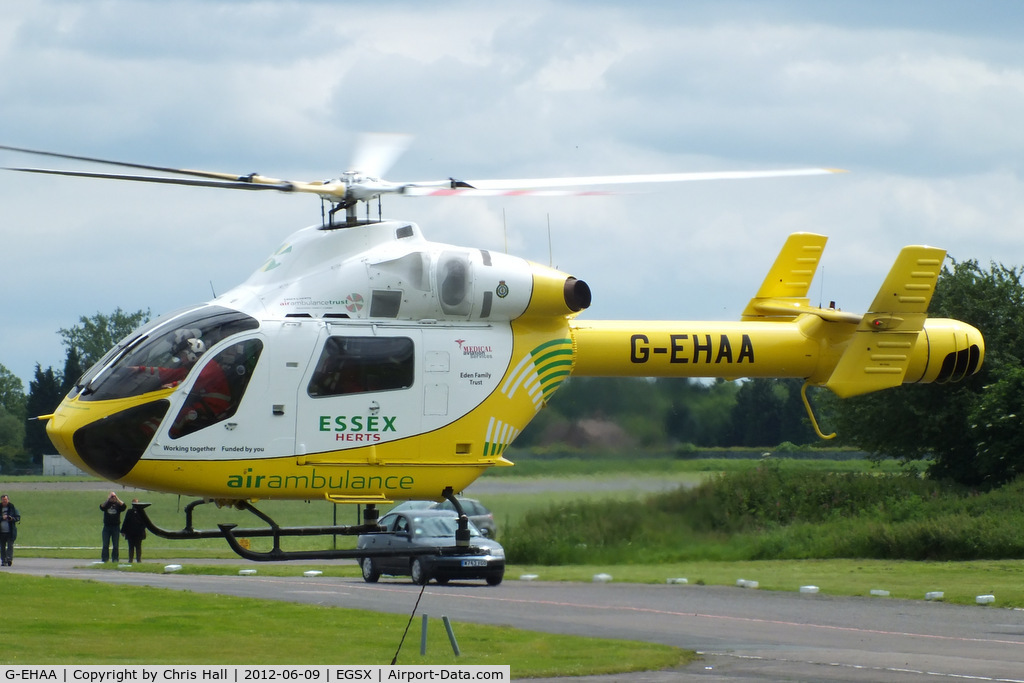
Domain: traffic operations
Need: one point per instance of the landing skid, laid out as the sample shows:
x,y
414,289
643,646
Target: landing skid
x,y
231,533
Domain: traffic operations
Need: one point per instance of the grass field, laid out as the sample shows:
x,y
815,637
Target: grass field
x,y
67,524
117,625
961,582
170,627
181,628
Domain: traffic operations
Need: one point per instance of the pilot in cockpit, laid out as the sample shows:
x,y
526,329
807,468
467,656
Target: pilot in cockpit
x,y
211,394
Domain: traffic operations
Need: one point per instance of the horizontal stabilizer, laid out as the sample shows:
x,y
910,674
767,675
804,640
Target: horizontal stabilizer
x,y
879,353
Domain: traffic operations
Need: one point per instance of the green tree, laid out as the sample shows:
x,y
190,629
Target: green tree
x,y
73,369
12,422
996,429
43,397
94,336
634,404
969,430
699,413
13,457
12,393
769,412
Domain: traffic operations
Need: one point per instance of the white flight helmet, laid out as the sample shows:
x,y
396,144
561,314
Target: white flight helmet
x,y
193,349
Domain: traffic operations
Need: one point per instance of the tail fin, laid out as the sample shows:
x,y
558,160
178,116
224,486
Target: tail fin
x,y
783,294
784,291
880,351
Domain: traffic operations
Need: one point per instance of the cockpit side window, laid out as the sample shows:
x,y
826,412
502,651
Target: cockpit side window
x,y
218,389
352,365
162,354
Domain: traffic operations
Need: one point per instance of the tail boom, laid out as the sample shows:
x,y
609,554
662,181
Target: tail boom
x,y
780,335
808,348
693,349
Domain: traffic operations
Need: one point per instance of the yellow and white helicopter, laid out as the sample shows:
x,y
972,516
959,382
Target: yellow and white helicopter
x,y
363,364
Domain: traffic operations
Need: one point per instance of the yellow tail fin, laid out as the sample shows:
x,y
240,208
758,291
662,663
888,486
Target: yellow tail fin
x,y
879,353
784,290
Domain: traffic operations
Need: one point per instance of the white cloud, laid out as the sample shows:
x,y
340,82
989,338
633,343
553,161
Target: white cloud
x,y
920,100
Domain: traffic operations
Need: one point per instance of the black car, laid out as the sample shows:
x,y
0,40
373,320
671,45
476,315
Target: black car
x,y
433,529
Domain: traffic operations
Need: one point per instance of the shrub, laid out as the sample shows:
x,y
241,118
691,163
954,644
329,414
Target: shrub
x,y
775,512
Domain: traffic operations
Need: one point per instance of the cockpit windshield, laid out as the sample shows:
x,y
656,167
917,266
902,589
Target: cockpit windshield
x,y
161,353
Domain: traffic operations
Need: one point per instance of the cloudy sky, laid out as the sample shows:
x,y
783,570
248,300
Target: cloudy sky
x,y
923,102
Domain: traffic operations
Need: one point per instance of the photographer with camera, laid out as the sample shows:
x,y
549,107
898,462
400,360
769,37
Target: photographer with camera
x,y
112,508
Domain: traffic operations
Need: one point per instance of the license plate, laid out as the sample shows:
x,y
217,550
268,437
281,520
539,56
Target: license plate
x,y
474,563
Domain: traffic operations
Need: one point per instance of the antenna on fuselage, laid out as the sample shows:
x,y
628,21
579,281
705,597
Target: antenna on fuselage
x,y
551,253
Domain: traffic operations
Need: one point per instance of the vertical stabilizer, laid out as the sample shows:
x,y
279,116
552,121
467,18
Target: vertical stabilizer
x,y
879,352
784,290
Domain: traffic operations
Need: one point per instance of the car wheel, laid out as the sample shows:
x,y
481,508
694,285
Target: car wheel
x,y
495,579
419,573
370,571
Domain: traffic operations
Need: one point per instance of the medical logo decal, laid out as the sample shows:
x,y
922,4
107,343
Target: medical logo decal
x,y
474,350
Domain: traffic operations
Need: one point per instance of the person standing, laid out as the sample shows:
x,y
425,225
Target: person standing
x,y
112,508
9,519
134,530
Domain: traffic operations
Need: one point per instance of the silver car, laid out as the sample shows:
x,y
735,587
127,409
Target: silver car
x,y
407,529
474,509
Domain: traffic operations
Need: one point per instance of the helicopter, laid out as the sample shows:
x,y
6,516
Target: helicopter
x,y
363,364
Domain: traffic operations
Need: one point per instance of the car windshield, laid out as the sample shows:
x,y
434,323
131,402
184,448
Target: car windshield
x,y
439,527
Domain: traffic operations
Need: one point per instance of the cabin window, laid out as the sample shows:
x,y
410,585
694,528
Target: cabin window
x,y
218,389
353,365
161,354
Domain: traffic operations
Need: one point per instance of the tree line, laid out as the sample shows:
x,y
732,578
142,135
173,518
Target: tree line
x,y
660,412
23,440
969,432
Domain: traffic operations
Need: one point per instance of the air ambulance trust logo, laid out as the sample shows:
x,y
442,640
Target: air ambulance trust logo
x,y
354,302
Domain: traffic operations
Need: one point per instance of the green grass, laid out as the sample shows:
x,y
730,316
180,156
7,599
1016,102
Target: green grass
x,y
71,520
181,628
762,511
643,463
779,512
133,625
961,582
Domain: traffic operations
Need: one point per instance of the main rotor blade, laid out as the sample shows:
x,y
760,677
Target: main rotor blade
x,y
330,191
122,164
582,181
233,181
376,152
230,184
423,191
